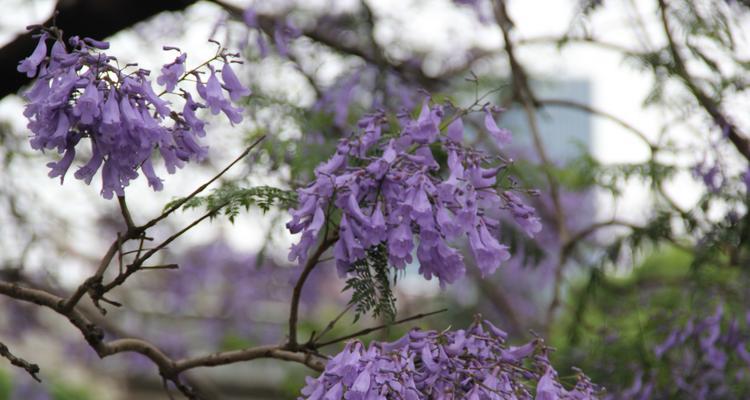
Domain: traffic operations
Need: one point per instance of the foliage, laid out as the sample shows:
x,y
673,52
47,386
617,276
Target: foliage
x,y
229,200
371,286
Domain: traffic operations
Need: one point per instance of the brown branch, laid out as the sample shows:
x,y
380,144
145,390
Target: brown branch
x,y
234,356
594,111
202,187
125,212
31,368
567,246
738,139
168,368
93,284
136,265
375,328
373,55
523,93
95,279
292,344
560,41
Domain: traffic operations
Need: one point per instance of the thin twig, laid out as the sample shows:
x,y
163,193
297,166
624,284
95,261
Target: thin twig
x,y
138,231
522,91
558,41
591,110
297,293
168,368
332,323
125,212
377,328
165,266
31,368
137,264
202,187
739,140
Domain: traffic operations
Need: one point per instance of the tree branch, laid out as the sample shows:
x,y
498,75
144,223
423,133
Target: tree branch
x,y
31,368
594,111
523,93
375,328
168,368
297,293
738,139
94,283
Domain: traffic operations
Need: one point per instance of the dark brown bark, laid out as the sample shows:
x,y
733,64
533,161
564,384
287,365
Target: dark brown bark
x,y
97,19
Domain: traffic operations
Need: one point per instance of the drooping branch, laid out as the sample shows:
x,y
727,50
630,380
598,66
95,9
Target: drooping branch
x,y
740,141
601,113
369,52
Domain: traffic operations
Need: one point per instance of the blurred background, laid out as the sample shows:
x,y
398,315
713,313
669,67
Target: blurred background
x,y
639,276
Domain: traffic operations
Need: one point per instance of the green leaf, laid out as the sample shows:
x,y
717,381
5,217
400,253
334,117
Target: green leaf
x,y
371,285
230,199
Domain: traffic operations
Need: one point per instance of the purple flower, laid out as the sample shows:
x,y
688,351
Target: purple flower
x,y
400,245
462,364
30,64
212,93
283,33
394,192
88,106
232,84
172,72
83,93
59,168
502,136
488,252
523,214
425,128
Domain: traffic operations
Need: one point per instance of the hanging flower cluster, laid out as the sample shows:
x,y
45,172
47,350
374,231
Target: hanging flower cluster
x,y
81,92
706,358
284,32
474,364
389,188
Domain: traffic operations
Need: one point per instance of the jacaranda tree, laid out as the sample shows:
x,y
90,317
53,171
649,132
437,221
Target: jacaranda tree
x,y
388,173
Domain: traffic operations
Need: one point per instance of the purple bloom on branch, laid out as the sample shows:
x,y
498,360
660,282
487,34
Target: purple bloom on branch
x,y
172,72
501,135
232,84
392,191
462,364
85,94
30,64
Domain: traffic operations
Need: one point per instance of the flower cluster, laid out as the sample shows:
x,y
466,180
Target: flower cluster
x,y
384,89
284,32
81,92
390,187
475,364
706,358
